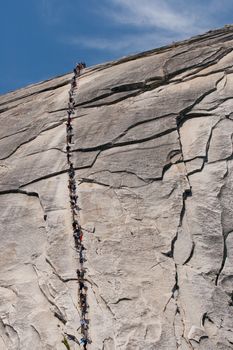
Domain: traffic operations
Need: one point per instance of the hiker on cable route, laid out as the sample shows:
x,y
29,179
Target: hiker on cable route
x,y
77,231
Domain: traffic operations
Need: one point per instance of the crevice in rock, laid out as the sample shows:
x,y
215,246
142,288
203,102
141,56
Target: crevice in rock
x,y
98,98
45,177
128,87
224,257
191,254
64,280
44,151
57,110
107,306
92,181
222,52
136,88
195,75
111,145
72,338
186,193
56,308
141,123
106,339
118,172
14,133
117,100
60,317
183,115
121,299
65,342
170,253
174,291
21,144
205,158
52,88
36,331
33,138
204,318
27,193
87,166
30,193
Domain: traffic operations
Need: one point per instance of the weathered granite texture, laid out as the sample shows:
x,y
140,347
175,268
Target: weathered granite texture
x,y
153,158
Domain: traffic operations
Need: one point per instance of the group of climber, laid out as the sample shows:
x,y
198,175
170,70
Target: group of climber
x,y
77,230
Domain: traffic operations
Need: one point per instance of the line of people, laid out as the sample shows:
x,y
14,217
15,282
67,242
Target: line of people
x,y
77,230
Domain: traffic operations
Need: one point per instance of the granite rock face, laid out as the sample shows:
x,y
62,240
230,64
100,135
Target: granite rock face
x,y
153,158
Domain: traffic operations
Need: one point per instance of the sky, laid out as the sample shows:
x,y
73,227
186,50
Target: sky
x,y
45,38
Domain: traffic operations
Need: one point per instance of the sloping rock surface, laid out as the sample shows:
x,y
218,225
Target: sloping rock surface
x,y
153,157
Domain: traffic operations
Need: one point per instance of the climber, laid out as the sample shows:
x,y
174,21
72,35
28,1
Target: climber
x,y
71,174
83,341
75,225
84,310
69,127
76,71
69,138
81,273
71,170
84,322
73,83
71,93
74,197
71,105
68,118
73,205
83,298
84,289
77,241
72,185
70,111
76,244
81,259
84,327
68,153
77,233
84,307
79,67
81,285
68,123
76,209
68,157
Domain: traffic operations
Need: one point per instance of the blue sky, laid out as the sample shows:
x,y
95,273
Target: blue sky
x,y
45,38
